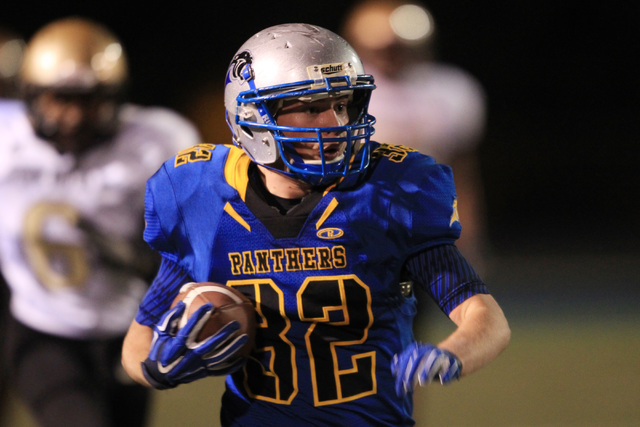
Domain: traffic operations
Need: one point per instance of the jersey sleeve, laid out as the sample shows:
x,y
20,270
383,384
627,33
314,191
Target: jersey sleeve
x,y
446,276
423,200
184,202
435,215
159,198
158,299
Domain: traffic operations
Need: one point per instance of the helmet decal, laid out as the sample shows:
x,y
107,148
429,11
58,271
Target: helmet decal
x,y
238,64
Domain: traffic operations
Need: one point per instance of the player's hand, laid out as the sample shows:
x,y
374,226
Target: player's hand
x,y
421,364
176,357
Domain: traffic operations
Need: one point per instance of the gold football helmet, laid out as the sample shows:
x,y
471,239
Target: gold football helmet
x,y
76,54
73,76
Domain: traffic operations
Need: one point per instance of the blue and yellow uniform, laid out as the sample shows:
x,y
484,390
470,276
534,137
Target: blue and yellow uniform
x,y
331,311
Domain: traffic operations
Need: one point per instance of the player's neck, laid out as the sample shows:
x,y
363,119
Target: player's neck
x,y
283,186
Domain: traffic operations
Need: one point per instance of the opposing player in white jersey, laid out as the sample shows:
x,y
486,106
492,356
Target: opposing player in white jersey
x,y
424,103
74,160
11,50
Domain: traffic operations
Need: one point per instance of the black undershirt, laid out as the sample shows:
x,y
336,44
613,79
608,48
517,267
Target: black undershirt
x,y
284,218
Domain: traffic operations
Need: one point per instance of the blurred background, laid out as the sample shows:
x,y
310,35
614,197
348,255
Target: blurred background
x,y
558,161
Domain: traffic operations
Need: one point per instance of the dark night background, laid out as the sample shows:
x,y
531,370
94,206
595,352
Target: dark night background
x,y
564,95
559,163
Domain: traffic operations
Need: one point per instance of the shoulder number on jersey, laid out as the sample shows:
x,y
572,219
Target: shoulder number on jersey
x,y
197,153
395,153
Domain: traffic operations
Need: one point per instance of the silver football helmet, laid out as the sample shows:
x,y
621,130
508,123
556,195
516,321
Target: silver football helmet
x,y
304,62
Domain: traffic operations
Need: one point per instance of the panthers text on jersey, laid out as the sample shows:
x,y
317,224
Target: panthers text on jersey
x,y
55,204
330,309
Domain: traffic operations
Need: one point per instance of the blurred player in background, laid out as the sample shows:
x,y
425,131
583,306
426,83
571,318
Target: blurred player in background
x,y
74,160
316,224
11,51
423,103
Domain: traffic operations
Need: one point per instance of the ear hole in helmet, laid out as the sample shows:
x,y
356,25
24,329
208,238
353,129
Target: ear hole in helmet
x,y
247,131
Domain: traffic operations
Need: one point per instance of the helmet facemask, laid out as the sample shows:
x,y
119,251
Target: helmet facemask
x,y
348,141
96,117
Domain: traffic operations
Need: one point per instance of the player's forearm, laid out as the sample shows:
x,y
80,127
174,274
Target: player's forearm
x,y
482,334
135,350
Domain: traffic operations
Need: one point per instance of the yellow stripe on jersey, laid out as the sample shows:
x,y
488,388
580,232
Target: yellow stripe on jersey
x,y
236,171
454,216
228,209
332,205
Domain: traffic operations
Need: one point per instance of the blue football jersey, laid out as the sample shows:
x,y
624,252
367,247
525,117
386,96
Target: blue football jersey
x,y
329,306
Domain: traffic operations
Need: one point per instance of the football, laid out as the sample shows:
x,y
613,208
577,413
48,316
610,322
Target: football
x,y
230,304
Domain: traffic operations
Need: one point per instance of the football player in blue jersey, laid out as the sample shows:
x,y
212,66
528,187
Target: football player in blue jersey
x,y
320,227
